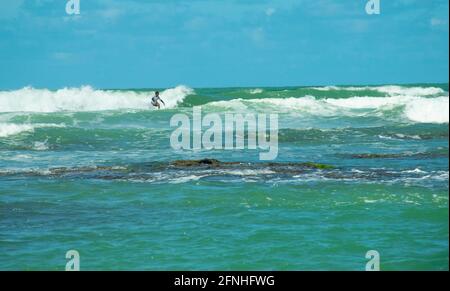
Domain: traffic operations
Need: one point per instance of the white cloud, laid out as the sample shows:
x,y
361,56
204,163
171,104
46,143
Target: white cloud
x,y
195,23
270,11
110,13
62,56
435,22
257,35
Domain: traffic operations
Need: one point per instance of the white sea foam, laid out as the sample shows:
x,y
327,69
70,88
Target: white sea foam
x,y
247,172
390,90
185,179
327,88
415,171
13,129
40,145
385,137
9,129
234,104
372,201
409,91
428,110
414,108
403,136
256,91
84,99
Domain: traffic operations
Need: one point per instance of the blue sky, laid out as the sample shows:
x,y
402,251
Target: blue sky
x,y
164,43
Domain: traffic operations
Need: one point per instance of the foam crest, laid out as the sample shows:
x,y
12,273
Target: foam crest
x,y
390,90
416,109
410,91
9,129
428,110
13,129
256,91
85,99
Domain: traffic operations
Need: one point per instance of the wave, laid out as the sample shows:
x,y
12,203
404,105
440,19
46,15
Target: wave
x,y
416,109
85,98
256,91
434,110
410,91
390,90
9,129
412,132
13,129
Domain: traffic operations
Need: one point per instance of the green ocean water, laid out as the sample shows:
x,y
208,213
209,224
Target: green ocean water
x,y
93,170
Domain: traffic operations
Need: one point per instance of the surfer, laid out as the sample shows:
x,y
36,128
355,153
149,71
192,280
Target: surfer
x,y
155,100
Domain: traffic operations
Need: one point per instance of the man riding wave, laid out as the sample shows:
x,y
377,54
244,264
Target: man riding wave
x,y
155,100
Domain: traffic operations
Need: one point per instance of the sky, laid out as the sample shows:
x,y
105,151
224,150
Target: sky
x,y
222,43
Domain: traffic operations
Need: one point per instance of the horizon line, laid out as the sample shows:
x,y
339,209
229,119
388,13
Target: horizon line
x,y
236,87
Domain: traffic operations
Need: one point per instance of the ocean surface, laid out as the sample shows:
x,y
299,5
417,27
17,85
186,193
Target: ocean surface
x,y
359,168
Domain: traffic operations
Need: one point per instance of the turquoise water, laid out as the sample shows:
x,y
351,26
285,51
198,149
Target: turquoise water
x,y
359,168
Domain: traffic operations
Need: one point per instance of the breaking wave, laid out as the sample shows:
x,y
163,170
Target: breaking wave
x,y
390,90
9,129
416,109
85,98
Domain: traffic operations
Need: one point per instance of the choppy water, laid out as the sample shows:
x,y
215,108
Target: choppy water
x,y
93,170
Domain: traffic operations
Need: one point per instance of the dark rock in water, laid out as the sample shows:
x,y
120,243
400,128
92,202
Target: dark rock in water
x,y
217,163
196,163
147,171
405,155
199,163
212,169
376,156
